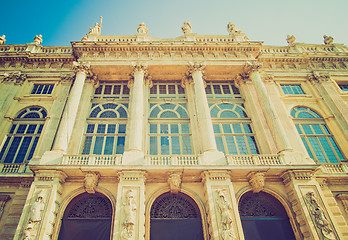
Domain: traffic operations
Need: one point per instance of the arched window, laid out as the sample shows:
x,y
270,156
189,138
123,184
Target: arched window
x,y
175,216
24,135
315,135
169,129
264,217
87,216
106,129
233,129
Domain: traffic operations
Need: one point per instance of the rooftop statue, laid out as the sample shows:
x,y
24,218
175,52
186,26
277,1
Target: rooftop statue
x,y
38,39
187,28
328,40
232,29
97,28
142,29
2,39
291,39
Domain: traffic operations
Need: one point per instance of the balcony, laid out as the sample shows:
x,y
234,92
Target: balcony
x,y
13,168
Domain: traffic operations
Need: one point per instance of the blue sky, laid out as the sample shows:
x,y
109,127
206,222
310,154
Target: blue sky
x,y
269,21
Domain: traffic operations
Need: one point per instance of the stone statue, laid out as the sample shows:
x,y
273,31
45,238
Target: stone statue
x,y
129,209
96,29
290,39
142,29
226,219
328,40
91,181
38,39
2,39
187,28
319,218
232,29
37,207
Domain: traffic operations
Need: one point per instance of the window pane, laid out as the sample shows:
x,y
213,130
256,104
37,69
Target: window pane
x,y
122,128
87,145
174,128
153,146
241,145
317,150
111,128
307,147
185,128
186,144
98,145
252,145
101,128
90,128
120,145
307,129
165,145
175,145
231,145
226,128
216,128
237,128
23,150
21,128
4,147
31,129
336,148
12,150
109,145
220,144
217,89
327,149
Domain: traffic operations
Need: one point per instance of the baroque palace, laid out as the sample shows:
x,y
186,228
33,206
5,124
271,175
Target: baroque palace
x,y
191,138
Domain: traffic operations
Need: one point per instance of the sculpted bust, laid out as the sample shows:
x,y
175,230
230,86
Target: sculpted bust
x,y
91,181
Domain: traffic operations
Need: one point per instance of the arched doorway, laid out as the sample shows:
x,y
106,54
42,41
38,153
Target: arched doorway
x,y
175,216
264,217
87,217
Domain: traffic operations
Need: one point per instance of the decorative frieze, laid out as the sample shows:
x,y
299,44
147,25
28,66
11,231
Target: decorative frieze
x,y
90,181
17,78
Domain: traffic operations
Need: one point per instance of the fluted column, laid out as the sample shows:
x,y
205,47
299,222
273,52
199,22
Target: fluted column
x,y
135,130
70,111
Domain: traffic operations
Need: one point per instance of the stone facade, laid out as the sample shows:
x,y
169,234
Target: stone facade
x,y
207,117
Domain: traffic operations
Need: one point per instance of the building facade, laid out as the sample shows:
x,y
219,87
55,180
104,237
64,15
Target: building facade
x,y
197,137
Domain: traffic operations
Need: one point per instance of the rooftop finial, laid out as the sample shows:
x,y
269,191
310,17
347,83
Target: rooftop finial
x,y
290,39
328,40
142,29
232,29
187,28
96,29
2,39
38,39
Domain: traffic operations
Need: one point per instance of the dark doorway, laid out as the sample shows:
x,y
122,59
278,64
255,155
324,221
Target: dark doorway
x,y
175,217
264,217
87,217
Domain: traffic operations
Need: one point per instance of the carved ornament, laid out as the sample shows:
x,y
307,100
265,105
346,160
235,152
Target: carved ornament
x,y
319,77
174,182
67,77
257,181
225,214
129,211
82,67
290,39
137,68
38,39
142,29
328,40
2,39
318,216
232,29
3,200
37,207
96,29
248,68
90,181
187,28
299,175
17,78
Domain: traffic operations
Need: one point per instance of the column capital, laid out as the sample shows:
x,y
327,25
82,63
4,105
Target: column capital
x,y
18,78
93,79
136,69
194,67
81,67
318,77
248,69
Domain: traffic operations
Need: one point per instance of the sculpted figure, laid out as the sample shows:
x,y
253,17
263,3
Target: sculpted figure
x,y
174,182
129,209
142,29
290,39
319,218
96,29
257,181
38,39
2,39
37,207
91,181
232,29
187,28
328,40
225,209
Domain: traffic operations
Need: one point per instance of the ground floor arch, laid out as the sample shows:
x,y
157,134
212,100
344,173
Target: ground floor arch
x,y
87,216
175,216
264,217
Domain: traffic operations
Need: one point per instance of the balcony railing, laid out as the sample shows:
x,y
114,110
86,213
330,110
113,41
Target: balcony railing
x,y
254,160
185,160
104,160
334,168
13,168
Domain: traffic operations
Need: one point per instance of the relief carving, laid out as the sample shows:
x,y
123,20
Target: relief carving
x,y
257,181
17,78
91,181
319,77
225,213
2,39
129,210
319,219
174,182
82,67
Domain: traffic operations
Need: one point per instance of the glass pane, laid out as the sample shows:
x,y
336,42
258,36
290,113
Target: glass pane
x,y
122,112
4,147
21,128
168,114
23,150
87,145
228,114
109,145
307,147
154,112
226,128
243,149
40,128
164,128
171,89
153,146
101,128
31,129
208,89
12,150
181,90
34,89
336,148
220,144
252,145
13,128
98,145
153,128
226,89
247,128
111,128
122,128
307,129
165,145
32,150
175,145
99,89
117,89
107,89
216,128
317,150
231,145
237,128
45,89
185,128
120,145
90,128
217,89
153,90
50,89
327,149
125,90
299,129
317,129
162,89
174,128
186,144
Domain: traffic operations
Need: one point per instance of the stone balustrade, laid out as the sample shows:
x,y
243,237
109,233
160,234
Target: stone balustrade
x,y
335,168
13,167
185,160
104,160
265,159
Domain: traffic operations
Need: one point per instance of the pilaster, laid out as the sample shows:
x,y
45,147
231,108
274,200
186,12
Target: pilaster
x,y
130,206
222,208
40,209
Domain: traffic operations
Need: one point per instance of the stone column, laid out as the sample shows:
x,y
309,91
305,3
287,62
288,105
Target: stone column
x,y
337,105
222,208
313,212
205,124
70,112
135,130
130,206
40,209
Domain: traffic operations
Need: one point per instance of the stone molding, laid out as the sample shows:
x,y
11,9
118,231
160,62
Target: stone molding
x,y
18,78
67,77
301,175
344,200
216,176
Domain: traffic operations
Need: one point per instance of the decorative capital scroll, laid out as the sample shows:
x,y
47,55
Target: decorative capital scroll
x,y
90,181
267,77
248,68
319,77
318,216
17,78
225,214
193,67
82,67
2,39
147,77
174,182
67,77
257,181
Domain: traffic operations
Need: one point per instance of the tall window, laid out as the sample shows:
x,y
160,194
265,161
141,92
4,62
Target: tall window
x,y
232,126
106,125
24,135
316,137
